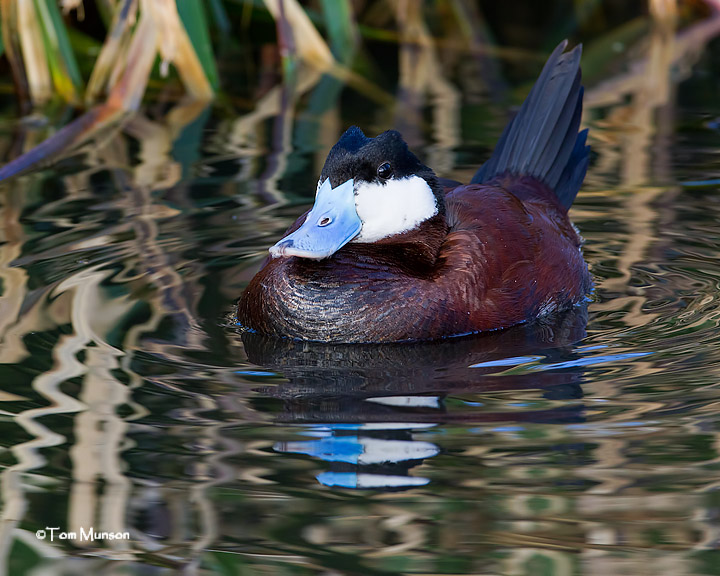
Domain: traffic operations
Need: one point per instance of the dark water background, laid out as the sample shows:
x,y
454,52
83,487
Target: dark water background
x,y
589,444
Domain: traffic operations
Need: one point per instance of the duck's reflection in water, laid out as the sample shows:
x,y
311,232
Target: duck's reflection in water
x,y
363,404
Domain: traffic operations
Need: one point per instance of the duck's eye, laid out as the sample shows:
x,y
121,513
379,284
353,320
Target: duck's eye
x,y
325,221
384,170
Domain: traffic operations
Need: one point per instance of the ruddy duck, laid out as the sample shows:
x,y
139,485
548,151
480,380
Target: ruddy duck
x,y
390,252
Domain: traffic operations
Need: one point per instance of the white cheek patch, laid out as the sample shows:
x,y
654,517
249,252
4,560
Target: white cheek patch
x,y
393,208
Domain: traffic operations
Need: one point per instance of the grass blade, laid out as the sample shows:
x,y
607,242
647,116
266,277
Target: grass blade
x,y
127,92
110,58
192,15
11,39
61,60
63,44
220,17
341,28
36,64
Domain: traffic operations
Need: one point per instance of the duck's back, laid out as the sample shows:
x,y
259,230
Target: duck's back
x,y
511,254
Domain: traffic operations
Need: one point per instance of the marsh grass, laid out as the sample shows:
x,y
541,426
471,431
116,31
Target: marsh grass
x,y
143,41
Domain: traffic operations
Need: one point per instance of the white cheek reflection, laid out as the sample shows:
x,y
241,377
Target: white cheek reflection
x,y
393,208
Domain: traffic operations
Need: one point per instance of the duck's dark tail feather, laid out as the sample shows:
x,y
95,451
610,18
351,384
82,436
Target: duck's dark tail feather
x,y
543,140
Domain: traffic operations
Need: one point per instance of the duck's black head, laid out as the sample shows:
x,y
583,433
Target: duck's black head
x,y
370,189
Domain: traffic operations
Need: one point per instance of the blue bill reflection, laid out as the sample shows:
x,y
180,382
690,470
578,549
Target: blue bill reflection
x,y
366,456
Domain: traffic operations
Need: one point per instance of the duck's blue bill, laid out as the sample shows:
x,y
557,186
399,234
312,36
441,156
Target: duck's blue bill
x,y
332,223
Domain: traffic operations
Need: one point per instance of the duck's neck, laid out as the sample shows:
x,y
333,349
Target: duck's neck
x,y
416,250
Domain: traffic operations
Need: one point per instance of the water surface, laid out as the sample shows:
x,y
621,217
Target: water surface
x,y
585,444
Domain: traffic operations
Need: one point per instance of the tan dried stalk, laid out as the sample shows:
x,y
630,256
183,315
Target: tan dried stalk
x,y
33,51
111,60
174,45
309,44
